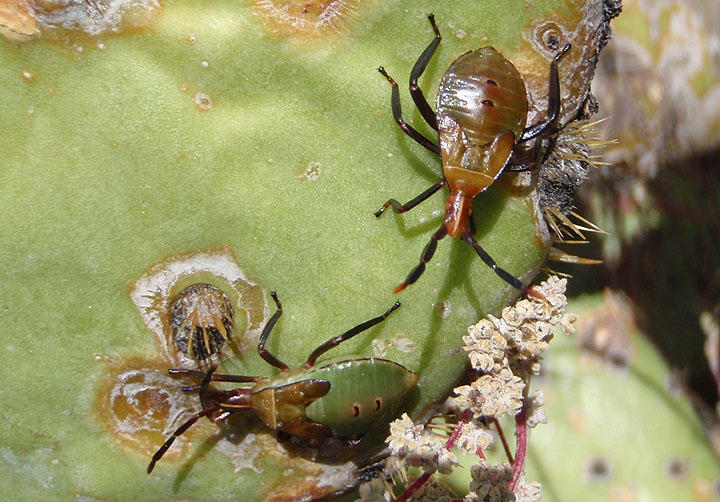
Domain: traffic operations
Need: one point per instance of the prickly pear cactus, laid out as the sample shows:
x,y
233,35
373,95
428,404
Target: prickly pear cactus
x,y
619,425
150,146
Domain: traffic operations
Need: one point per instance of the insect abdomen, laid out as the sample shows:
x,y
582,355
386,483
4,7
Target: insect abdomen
x,y
485,94
363,393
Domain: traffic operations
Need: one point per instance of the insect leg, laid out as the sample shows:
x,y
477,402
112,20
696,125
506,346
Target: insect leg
x,y
504,275
541,149
425,110
518,168
222,416
397,115
180,430
553,102
425,257
216,377
333,342
264,353
401,208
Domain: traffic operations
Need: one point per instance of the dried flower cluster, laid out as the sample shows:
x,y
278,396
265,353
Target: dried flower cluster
x,y
490,483
506,353
527,492
492,395
518,338
474,438
433,491
419,447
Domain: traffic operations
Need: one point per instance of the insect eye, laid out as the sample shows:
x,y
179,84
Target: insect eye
x,y
378,403
491,82
356,409
487,102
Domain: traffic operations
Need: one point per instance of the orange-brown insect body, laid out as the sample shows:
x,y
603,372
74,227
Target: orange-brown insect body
x,y
481,112
482,107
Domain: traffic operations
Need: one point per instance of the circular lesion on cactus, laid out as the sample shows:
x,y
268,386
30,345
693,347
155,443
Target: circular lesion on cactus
x,y
140,405
605,333
192,304
550,36
64,21
300,19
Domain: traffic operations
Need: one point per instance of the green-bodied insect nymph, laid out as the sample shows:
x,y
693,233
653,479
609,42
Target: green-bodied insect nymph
x,y
343,399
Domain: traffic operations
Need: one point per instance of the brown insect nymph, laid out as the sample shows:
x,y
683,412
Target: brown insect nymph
x,y
482,108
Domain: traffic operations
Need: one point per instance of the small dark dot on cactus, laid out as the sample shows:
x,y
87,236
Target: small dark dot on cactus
x,y
677,468
597,468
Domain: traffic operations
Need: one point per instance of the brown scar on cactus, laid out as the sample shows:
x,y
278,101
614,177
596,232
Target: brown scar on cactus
x,y
138,403
72,22
300,19
16,22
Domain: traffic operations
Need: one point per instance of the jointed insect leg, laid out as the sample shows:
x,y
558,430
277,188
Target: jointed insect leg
x,y
188,423
425,110
518,168
264,353
334,342
179,432
504,275
401,208
426,256
216,377
553,102
397,115
222,416
540,150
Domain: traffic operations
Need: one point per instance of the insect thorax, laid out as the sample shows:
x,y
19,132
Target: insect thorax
x,y
280,405
470,168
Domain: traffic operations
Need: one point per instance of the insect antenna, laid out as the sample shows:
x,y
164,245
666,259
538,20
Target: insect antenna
x,y
553,102
264,353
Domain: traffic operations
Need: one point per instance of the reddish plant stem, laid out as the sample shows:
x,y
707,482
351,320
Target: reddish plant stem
x,y
521,448
464,419
413,487
503,440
